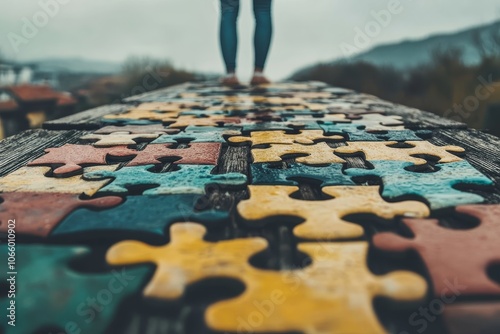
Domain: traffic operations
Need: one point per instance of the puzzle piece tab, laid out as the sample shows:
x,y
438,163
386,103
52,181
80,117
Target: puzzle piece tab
x,y
119,138
317,154
333,295
383,151
73,157
437,188
155,215
33,179
447,253
323,220
189,179
305,137
37,214
330,175
49,293
186,259
196,153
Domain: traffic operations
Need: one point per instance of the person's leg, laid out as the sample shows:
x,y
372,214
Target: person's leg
x,y
228,33
262,37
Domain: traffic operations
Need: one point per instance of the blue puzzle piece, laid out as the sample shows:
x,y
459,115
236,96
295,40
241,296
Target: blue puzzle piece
x,y
436,188
50,293
194,137
355,132
331,175
189,179
286,126
156,213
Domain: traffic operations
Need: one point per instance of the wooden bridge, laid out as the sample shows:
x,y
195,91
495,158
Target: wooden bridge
x,y
289,208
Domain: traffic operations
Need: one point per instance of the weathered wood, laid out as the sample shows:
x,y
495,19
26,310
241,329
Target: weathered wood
x,y
16,151
85,120
420,120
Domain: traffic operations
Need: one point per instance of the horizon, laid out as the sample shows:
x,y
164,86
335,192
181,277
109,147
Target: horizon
x,y
185,53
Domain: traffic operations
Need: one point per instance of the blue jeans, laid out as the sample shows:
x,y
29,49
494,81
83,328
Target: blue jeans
x,y
229,34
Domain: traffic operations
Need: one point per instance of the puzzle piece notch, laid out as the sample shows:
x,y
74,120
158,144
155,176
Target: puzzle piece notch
x,y
447,253
33,179
189,179
318,298
119,138
437,188
323,220
196,153
383,151
305,137
37,214
330,175
186,259
48,292
317,154
72,157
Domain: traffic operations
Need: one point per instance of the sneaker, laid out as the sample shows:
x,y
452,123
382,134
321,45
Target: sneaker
x,y
230,80
259,79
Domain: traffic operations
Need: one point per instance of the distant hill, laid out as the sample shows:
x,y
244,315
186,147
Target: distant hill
x,y
76,65
414,52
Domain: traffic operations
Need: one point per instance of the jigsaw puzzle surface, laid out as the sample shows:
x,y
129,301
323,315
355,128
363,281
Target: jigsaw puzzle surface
x,y
283,208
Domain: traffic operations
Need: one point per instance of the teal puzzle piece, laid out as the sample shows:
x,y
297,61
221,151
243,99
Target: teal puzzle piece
x,y
49,293
194,137
189,179
356,132
331,175
436,187
156,213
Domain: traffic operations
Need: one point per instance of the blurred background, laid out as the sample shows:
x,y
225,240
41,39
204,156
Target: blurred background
x,y
58,57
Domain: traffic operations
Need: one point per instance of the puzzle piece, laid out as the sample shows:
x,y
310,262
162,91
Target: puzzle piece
x,y
137,114
378,122
119,138
136,129
319,153
168,106
197,137
49,293
330,175
355,132
437,188
383,151
338,118
333,295
184,121
189,179
155,215
37,214
447,253
281,137
73,157
187,258
197,153
473,318
323,220
129,122
285,126
33,179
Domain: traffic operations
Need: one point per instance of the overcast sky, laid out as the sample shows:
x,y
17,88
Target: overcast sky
x,y
185,31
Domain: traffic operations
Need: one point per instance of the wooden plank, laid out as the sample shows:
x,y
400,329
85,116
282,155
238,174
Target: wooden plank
x,y
16,151
85,120
416,119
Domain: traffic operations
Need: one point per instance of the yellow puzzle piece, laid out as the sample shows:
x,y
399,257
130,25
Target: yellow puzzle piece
x,y
33,179
186,259
334,295
323,220
382,151
120,138
319,153
281,137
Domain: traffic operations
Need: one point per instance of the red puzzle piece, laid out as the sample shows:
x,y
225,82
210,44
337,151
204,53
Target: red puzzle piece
x,y
72,157
37,214
196,154
457,260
